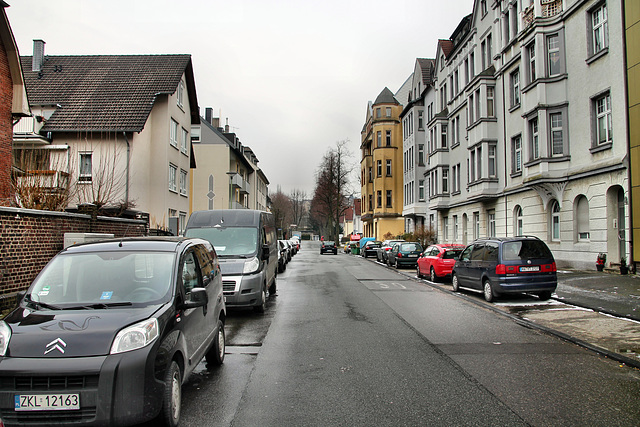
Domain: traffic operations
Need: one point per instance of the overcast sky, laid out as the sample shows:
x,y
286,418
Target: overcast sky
x,y
293,77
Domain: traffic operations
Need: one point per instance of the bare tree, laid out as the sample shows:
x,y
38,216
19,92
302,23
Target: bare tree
x,y
298,212
281,210
330,199
40,180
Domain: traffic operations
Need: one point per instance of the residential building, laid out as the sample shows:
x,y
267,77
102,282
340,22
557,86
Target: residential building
x,y
381,168
351,220
543,150
117,127
414,118
14,102
227,176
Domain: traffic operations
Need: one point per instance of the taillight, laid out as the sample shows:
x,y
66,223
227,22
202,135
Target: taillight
x,y
506,269
549,268
399,255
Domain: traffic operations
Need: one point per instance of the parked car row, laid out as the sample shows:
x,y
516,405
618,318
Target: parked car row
x,y
491,266
286,250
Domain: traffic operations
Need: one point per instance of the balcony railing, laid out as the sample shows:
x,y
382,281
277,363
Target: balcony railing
x,y
551,7
48,179
544,9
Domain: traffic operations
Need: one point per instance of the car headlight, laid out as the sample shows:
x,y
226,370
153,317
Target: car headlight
x,y
5,336
251,266
135,336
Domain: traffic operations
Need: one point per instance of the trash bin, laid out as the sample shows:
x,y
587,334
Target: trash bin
x,y
355,249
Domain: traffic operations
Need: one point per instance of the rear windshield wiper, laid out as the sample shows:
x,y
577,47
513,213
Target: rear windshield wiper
x,y
39,304
98,305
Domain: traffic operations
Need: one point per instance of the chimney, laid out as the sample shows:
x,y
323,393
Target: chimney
x,y
226,127
208,115
215,121
38,55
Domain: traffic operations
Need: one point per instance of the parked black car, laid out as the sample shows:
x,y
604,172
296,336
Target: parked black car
x,y
404,254
329,246
384,249
109,331
283,256
504,265
370,248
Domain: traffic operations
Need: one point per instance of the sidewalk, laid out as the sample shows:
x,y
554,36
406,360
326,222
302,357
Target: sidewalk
x,y
596,310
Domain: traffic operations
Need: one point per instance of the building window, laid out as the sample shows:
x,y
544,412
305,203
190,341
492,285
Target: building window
x,y
483,7
516,146
456,81
491,223
517,221
557,134
378,113
421,190
491,157
443,136
173,134
466,71
85,173
455,178
535,140
183,182
472,63
420,120
483,54
455,228
182,221
445,180
445,225
582,218
604,130
180,94
476,225
389,199
379,197
371,202
388,167
599,29
490,101
184,142
531,56
173,172
478,101
388,138
379,165
515,88
379,138
555,220
489,54
470,109
370,170
420,154
553,55
388,112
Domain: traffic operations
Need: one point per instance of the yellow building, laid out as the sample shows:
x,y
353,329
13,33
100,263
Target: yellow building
x,y
381,168
632,30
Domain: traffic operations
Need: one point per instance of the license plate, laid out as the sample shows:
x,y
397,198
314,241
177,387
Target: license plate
x,y
413,256
47,402
530,269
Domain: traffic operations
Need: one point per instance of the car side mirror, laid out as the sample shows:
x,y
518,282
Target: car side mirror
x,y
265,252
198,298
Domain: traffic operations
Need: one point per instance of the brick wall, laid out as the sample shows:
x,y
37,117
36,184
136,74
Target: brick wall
x,y
30,238
6,128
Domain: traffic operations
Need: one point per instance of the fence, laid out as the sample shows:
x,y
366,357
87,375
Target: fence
x,y
30,238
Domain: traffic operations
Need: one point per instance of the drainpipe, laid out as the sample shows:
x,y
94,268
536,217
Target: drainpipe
x,y
126,197
504,138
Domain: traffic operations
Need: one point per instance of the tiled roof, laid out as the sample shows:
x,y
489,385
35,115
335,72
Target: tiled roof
x,y
446,46
385,97
103,92
427,70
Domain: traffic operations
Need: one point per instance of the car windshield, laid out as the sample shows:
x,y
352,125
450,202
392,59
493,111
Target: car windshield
x,y
525,249
229,241
98,279
410,247
452,253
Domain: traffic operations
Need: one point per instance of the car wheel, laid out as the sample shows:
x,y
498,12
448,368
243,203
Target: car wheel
x,y
454,283
489,295
260,308
397,266
418,272
215,355
545,295
432,275
170,413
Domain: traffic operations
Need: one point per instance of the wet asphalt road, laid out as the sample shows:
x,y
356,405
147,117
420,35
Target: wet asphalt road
x,y
350,342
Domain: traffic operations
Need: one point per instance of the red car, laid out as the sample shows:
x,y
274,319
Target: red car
x,y
437,260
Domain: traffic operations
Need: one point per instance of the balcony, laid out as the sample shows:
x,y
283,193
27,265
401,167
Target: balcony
x,y
551,8
27,131
543,9
51,180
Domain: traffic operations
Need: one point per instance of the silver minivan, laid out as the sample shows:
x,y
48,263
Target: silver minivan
x,y
247,247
